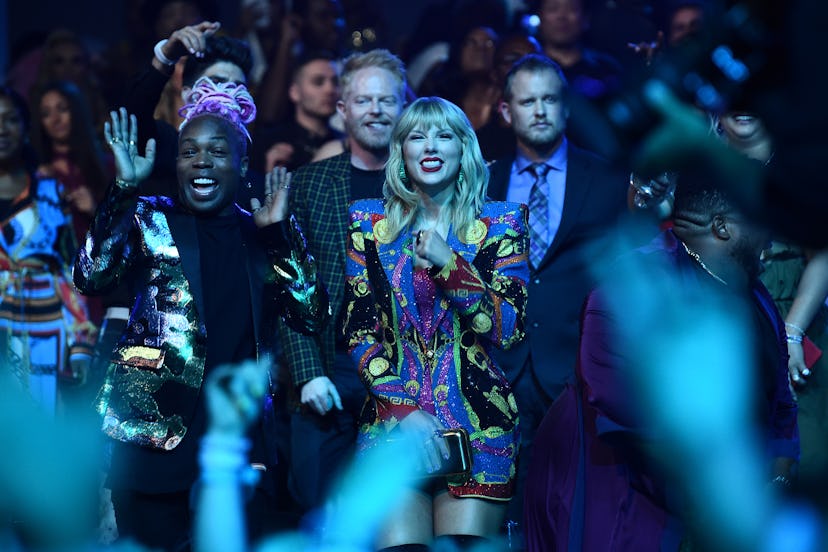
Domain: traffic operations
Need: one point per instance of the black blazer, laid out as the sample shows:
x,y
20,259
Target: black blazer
x,y
594,200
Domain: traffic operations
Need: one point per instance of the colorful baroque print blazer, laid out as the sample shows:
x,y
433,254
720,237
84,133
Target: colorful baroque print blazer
x,y
156,369
442,365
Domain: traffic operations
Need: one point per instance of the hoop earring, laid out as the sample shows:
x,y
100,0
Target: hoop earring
x,y
461,177
403,174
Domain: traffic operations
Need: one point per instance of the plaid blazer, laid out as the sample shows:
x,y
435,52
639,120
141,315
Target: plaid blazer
x,y
320,193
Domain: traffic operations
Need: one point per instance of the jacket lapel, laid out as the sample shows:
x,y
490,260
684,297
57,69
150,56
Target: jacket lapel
x,y
500,172
339,190
396,258
397,262
466,248
257,265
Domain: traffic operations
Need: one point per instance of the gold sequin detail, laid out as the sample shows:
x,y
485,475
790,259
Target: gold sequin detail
x,y
481,323
359,241
377,366
505,249
147,357
476,232
381,232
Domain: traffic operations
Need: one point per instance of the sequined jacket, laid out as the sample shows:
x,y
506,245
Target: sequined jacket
x,y
480,305
156,369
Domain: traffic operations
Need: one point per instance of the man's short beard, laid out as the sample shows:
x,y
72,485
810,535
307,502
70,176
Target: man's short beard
x,y
747,258
373,147
544,145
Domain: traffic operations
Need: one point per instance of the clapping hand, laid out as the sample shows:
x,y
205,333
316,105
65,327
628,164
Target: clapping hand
x,y
275,206
121,134
430,249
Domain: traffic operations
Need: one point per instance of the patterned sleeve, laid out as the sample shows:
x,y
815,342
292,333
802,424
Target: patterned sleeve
x,y
490,294
364,330
82,332
107,251
301,352
301,297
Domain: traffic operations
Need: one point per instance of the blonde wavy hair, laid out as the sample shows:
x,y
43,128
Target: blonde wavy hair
x,y
402,200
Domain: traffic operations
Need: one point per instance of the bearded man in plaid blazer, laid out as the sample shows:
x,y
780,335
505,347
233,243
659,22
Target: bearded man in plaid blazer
x,y
323,422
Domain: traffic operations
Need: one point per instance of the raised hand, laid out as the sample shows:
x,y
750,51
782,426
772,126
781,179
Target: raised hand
x,y
235,397
648,50
189,40
121,134
275,206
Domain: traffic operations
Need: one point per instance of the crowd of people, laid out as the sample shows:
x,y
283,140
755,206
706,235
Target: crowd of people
x,y
303,286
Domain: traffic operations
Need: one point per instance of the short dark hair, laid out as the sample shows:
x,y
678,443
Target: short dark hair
x,y
532,63
218,48
699,192
308,57
151,9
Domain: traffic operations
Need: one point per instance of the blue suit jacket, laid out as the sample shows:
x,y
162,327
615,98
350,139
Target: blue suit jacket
x,y
595,198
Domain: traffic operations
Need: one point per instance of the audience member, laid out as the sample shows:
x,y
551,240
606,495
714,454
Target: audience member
x,y
328,392
48,475
594,483
45,331
574,198
496,137
797,279
314,91
436,279
562,25
365,493
311,26
151,402
65,57
614,25
234,398
69,151
221,58
685,19
466,78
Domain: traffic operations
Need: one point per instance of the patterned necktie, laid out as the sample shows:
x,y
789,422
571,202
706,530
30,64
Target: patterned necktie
x,y
538,214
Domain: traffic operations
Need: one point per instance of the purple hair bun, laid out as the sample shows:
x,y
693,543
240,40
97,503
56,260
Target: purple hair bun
x,y
227,100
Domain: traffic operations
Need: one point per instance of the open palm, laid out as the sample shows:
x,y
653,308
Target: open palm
x,y
121,134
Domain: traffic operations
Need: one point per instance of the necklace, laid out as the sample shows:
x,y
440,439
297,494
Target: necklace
x,y
695,257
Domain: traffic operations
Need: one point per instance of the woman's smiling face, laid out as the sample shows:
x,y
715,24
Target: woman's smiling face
x,y
432,157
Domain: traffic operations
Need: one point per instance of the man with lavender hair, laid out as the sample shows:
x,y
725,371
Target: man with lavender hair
x,y
201,302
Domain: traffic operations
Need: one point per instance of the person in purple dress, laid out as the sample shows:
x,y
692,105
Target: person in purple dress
x,y
600,474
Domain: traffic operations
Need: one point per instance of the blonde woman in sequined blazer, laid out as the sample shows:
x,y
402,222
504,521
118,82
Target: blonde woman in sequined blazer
x,y
437,278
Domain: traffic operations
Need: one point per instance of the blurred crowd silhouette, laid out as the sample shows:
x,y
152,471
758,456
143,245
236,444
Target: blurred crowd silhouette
x,y
676,274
